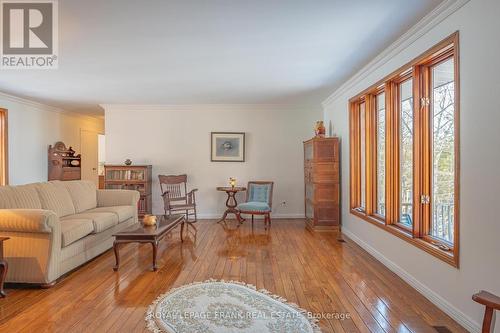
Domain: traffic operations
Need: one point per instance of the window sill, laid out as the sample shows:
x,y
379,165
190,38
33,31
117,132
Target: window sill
x,y
450,257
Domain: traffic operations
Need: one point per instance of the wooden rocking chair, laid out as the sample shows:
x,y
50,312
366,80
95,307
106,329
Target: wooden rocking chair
x,y
176,198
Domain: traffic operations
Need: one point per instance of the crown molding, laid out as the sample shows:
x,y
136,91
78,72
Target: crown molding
x,y
44,107
432,19
207,107
30,103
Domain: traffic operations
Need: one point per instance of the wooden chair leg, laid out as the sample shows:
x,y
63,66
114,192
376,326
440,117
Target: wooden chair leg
x,y
269,218
252,219
487,320
492,303
193,223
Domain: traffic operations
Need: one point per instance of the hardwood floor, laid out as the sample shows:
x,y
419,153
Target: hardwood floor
x,y
315,271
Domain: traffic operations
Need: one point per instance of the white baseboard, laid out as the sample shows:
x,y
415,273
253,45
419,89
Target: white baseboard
x,y
436,299
274,216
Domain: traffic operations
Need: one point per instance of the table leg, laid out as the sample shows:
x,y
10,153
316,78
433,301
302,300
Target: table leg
x,y
239,218
231,200
155,251
223,219
231,205
182,231
117,255
3,274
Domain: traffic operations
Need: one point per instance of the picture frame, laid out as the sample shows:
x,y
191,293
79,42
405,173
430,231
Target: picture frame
x,y
227,147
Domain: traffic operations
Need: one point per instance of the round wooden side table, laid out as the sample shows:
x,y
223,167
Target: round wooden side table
x,y
231,202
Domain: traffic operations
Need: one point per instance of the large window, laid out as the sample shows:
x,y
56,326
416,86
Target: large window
x,y
380,154
404,152
443,149
406,130
362,142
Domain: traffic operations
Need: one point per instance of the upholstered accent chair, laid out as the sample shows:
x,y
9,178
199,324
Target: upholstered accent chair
x,y
259,200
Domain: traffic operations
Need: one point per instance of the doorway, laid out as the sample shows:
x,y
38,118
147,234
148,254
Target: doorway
x,y
101,158
90,155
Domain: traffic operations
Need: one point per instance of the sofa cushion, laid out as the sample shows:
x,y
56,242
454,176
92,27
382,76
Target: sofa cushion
x,y
54,196
101,221
23,196
254,206
75,229
123,212
83,194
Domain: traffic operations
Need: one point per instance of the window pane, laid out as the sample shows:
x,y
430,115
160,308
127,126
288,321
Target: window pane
x,y
362,149
443,150
381,154
406,152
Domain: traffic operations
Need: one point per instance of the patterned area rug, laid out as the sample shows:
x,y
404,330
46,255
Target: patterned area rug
x,y
219,306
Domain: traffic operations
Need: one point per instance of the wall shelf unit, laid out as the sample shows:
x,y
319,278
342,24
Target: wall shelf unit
x,y
63,164
131,177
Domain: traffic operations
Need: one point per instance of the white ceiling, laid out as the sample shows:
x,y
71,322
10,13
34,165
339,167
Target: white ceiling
x,y
211,52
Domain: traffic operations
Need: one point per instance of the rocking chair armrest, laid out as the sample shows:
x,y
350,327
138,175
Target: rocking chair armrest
x,y
487,299
191,195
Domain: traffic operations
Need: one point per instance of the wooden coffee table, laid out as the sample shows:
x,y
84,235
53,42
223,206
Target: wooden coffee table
x,y
148,234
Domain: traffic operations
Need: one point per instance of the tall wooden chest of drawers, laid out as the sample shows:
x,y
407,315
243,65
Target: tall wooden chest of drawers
x,y
322,183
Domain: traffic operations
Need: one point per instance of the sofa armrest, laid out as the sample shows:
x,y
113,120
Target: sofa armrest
x,y
109,198
28,220
33,250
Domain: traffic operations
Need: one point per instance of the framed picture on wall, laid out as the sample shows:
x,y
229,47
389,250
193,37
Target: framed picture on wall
x,y
227,147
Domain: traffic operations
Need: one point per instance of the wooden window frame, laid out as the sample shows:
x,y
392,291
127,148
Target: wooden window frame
x,y
418,70
4,147
395,111
380,90
355,158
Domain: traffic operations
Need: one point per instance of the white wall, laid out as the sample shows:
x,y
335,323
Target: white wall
x,y
448,287
177,140
32,128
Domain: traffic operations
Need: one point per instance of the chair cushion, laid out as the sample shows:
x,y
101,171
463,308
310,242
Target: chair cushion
x,y
83,194
254,206
101,221
259,192
123,212
23,196
75,229
54,196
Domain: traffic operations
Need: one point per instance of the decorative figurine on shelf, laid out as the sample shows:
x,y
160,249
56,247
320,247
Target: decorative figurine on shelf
x,y
128,161
59,145
320,129
232,182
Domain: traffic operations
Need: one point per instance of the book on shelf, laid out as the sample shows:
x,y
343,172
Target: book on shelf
x,y
125,175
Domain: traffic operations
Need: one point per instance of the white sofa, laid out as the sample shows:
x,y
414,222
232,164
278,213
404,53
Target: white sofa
x,y
57,226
